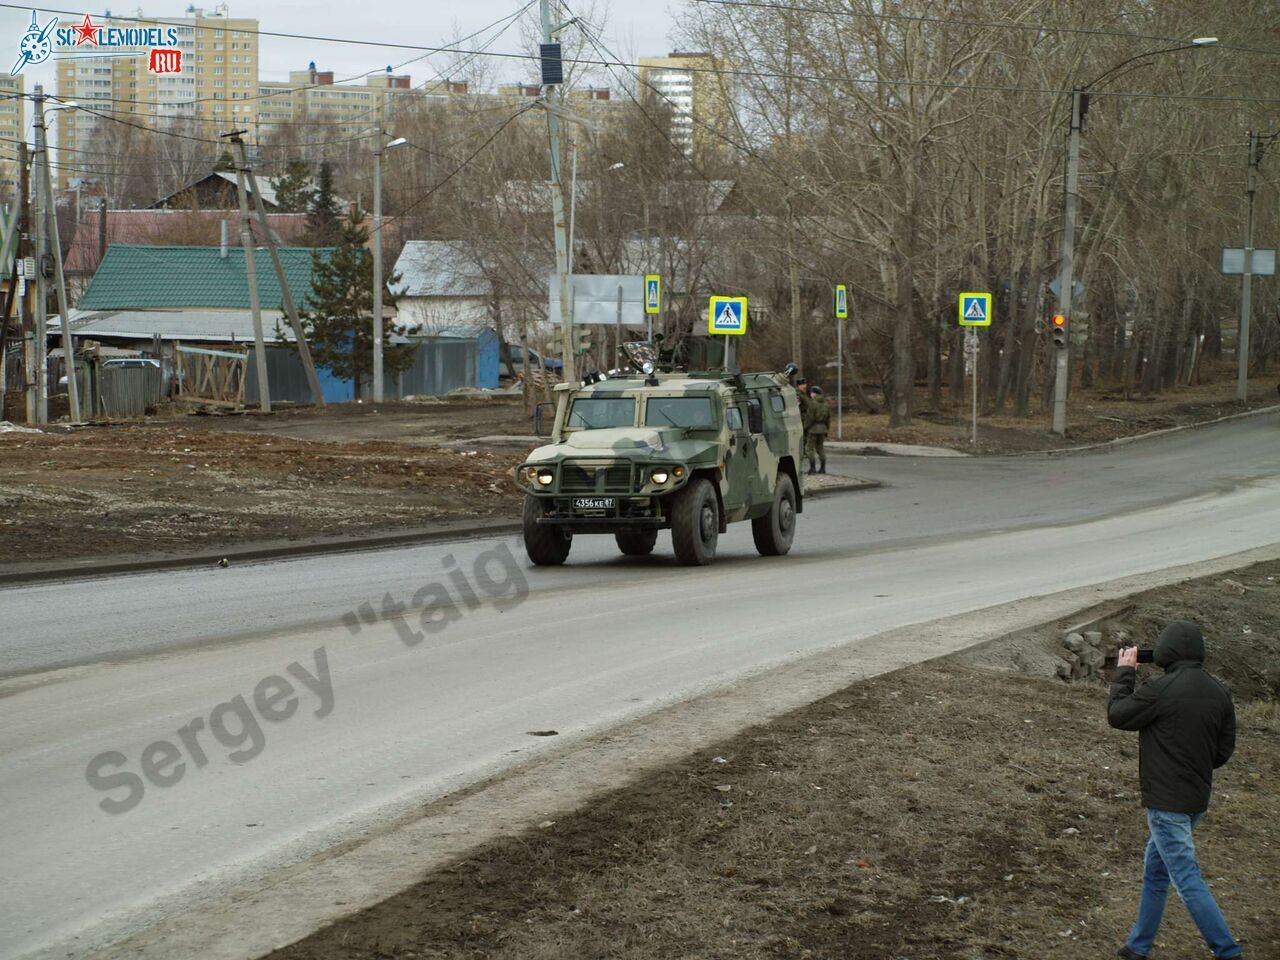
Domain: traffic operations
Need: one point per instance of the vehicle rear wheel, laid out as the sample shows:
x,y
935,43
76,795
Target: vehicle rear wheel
x,y
637,543
695,523
546,545
774,531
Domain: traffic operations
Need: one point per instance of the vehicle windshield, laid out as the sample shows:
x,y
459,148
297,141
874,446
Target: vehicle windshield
x,y
597,413
679,412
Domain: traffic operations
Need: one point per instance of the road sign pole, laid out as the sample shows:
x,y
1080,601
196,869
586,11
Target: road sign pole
x,y
1246,279
973,353
840,379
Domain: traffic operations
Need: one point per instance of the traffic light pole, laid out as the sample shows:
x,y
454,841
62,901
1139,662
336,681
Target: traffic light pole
x,y
557,205
1066,275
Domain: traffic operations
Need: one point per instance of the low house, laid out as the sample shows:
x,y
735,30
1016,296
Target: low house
x,y
162,298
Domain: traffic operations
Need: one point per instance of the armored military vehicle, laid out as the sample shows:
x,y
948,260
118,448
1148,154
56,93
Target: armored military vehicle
x,y
655,447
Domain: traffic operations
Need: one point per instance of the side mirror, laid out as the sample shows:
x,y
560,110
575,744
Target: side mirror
x,y
544,419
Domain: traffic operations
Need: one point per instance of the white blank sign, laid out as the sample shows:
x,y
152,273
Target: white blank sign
x,y
1264,261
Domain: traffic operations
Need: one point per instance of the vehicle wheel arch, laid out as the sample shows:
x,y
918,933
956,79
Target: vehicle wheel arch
x,y
788,466
713,474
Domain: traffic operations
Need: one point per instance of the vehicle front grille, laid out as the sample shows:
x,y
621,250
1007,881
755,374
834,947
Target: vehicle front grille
x,y
596,478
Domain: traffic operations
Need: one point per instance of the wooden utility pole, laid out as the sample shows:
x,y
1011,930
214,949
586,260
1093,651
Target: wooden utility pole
x,y
251,275
290,308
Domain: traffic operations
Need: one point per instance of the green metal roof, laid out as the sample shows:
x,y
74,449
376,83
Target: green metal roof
x,y
136,277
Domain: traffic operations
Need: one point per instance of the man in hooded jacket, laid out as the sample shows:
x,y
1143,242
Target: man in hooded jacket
x,y
1186,727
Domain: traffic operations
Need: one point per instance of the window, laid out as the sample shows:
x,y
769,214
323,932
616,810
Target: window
x,y
755,415
595,413
778,404
734,415
679,412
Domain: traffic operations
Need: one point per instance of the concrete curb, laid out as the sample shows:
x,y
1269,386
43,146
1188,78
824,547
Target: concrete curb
x,y
915,450
1121,441
84,569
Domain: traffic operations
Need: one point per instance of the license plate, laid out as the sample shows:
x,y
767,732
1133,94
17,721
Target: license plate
x,y
593,503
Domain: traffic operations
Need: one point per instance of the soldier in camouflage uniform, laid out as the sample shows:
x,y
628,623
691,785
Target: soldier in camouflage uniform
x,y
816,417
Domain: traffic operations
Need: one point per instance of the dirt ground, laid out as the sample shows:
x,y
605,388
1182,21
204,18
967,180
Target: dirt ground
x,y
944,811
1093,416
175,487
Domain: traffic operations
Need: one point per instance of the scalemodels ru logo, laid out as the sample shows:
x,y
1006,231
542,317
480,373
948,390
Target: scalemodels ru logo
x,y
93,40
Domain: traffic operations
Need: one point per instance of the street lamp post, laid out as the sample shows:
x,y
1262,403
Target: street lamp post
x,y
379,148
1070,200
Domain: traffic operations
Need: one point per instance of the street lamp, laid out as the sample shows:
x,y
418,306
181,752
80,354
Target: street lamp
x,y
1066,279
379,147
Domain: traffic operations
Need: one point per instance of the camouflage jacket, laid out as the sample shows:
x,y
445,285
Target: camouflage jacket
x,y
815,414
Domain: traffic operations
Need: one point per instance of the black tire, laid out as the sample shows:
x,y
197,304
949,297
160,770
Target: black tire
x,y
546,545
774,531
695,523
637,543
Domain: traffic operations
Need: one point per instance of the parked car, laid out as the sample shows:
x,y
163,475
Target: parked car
x,y
514,366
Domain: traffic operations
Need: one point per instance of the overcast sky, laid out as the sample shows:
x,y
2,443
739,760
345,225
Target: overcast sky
x,y
633,28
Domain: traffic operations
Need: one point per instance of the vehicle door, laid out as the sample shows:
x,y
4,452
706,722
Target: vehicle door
x,y
741,462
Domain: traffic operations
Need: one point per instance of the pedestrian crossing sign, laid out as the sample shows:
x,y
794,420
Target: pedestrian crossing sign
x,y
727,315
842,302
975,309
652,293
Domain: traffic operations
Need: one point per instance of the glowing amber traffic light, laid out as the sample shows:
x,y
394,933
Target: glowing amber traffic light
x,y
1060,330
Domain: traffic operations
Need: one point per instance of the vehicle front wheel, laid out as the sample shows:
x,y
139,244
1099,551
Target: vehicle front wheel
x,y
546,545
695,523
774,531
637,543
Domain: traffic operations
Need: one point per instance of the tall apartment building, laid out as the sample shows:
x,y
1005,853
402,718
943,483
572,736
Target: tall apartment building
x,y
217,82
12,129
689,85
331,111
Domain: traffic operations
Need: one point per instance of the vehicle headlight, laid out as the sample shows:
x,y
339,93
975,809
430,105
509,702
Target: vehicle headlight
x,y
546,477
646,367
678,472
659,476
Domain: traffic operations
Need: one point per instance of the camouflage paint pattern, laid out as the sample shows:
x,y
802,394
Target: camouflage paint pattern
x,y
743,464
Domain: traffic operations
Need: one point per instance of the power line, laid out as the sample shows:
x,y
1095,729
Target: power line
x,y
738,74
1041,28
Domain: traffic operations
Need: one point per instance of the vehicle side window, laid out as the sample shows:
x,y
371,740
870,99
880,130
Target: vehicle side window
x,y
755,415
734,416
777,403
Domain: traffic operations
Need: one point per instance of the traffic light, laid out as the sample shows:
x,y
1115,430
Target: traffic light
x,y
1059,324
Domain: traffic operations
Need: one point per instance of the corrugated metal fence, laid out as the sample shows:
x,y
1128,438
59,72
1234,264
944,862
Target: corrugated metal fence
x,y
438,367
125,391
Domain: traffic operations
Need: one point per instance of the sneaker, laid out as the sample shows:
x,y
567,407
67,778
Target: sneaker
x,y
1126,954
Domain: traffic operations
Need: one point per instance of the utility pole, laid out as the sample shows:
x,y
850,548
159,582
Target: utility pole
x,y
24,287
290,308
41,251
251,275
378,139
52,238
1066,275
551,84
1246,280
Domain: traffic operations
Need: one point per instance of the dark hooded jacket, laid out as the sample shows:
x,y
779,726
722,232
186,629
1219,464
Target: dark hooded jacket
x,y
1186,722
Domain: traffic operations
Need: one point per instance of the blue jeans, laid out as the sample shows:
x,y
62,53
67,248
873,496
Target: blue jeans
x,y
1171,857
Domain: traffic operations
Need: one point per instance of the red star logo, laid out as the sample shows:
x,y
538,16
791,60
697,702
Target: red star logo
x,y
87,32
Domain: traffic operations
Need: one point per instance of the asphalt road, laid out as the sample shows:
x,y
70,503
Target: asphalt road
x,y
339,728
